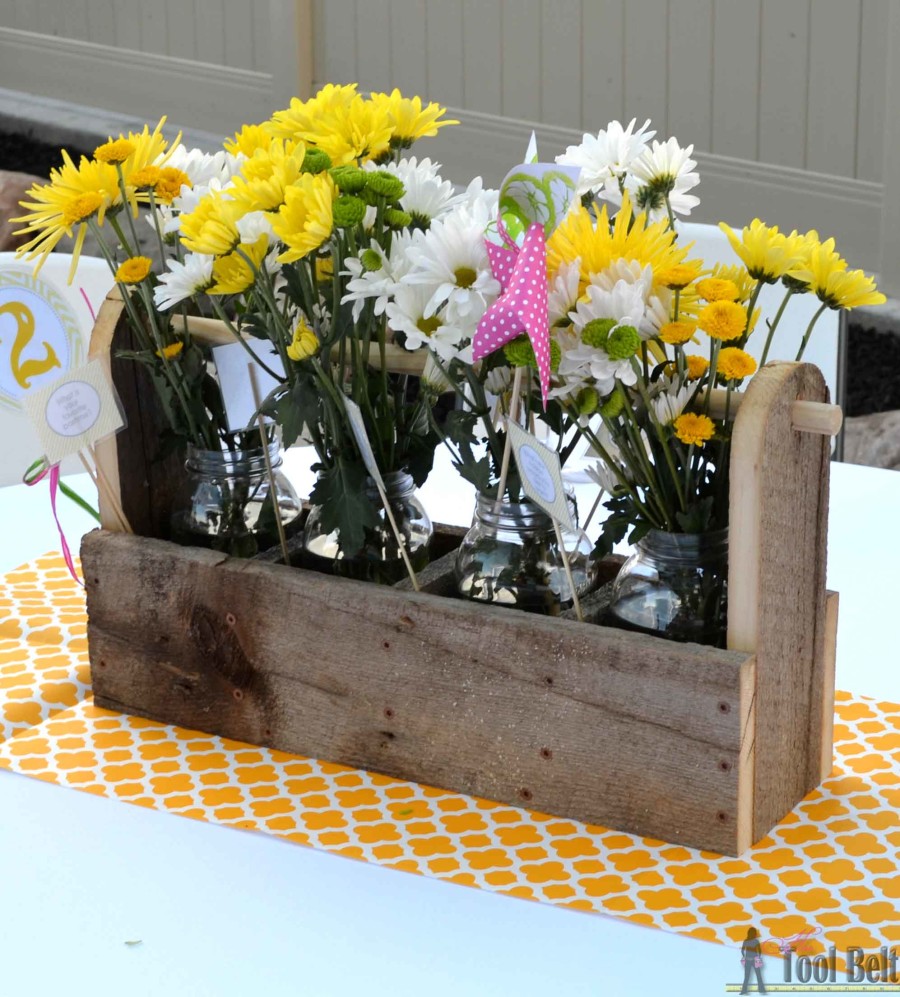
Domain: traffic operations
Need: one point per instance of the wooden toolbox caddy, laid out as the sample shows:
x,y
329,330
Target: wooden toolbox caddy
x,y
703,747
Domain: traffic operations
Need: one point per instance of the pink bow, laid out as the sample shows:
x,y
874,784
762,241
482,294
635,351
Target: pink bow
x,y
522,305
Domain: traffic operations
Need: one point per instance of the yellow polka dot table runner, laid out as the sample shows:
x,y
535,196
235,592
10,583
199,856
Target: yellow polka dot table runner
x,y
830,868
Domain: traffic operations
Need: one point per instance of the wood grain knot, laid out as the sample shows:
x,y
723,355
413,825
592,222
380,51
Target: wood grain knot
x,y
230,619
388,712
724,708
546,753
406,622
525,794
724,766
722,817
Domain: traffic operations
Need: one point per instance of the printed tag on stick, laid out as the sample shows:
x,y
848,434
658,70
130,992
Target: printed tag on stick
x,y
74,412
541,475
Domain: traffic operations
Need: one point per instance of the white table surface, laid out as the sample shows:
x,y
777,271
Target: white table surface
x,y
224,912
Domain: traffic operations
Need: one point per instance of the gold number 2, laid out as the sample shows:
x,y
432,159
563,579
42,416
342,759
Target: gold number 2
x,y
24,370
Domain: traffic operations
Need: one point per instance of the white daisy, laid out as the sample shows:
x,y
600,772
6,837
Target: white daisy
x,y
379,282
183,280
406,313
668,405
624,302
253,225
606,156
426,194
663,170
498,380
202,167
563,292
656,306
451,260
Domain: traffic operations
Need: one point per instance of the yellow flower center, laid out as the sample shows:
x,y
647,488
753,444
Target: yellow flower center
x,y
465,277
694,429
677,333
429,325
116,151
718,289
133,270
82,207
723,320
735,364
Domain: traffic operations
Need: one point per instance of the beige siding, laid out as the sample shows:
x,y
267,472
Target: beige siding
x,y
796,83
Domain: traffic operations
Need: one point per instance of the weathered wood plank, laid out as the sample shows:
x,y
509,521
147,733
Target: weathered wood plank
x,y
592,723
147,486
776,581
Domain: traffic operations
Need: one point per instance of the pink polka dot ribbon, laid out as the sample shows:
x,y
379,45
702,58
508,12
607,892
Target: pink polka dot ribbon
x,y
522,305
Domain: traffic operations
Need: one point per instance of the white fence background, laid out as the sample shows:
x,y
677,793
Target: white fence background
x,y
785,101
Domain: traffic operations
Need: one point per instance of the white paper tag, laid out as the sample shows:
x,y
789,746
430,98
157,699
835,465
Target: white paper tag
x,y
234,379
74,412
362,441
541,475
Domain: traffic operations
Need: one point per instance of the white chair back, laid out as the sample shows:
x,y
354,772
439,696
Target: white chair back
x,y
45,327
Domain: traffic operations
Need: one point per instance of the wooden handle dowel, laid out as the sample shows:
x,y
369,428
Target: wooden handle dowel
x,y
806,417
210,331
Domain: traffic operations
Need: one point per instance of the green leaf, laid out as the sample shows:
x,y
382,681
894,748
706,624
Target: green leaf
x,y
340,491
297,409
477,472
697,518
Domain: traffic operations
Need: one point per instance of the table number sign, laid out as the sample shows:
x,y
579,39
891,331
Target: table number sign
x,y
39,336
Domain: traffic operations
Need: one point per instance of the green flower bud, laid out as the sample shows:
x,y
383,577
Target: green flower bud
x,y
623,342
348,211
316,161
613,405
587,401
397,218
348,179
370,259
597,331
520,353
385,184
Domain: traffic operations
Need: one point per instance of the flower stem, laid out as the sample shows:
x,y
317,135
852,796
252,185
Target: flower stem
x,y
809,330
774,325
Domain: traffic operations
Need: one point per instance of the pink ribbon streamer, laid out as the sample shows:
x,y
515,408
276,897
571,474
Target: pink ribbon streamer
x,y
53,473
522,305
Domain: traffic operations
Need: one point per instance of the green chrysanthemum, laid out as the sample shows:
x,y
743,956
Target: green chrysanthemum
x,y
370,259
596,332
315,161
613,405
520,353
396,218
623,342
349,179
587,401
348,211
385,185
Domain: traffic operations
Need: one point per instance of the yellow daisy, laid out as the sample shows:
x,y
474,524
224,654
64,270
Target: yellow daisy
x,y
249,139
764,251
211,227
723,320
735,364
263,178
679,276
304,222
304,344
694,429
718,289
171,351
300,117
133,270
74,195
677,333
631,238
171,180
737,274
233,274
114,151
697,366
409,120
